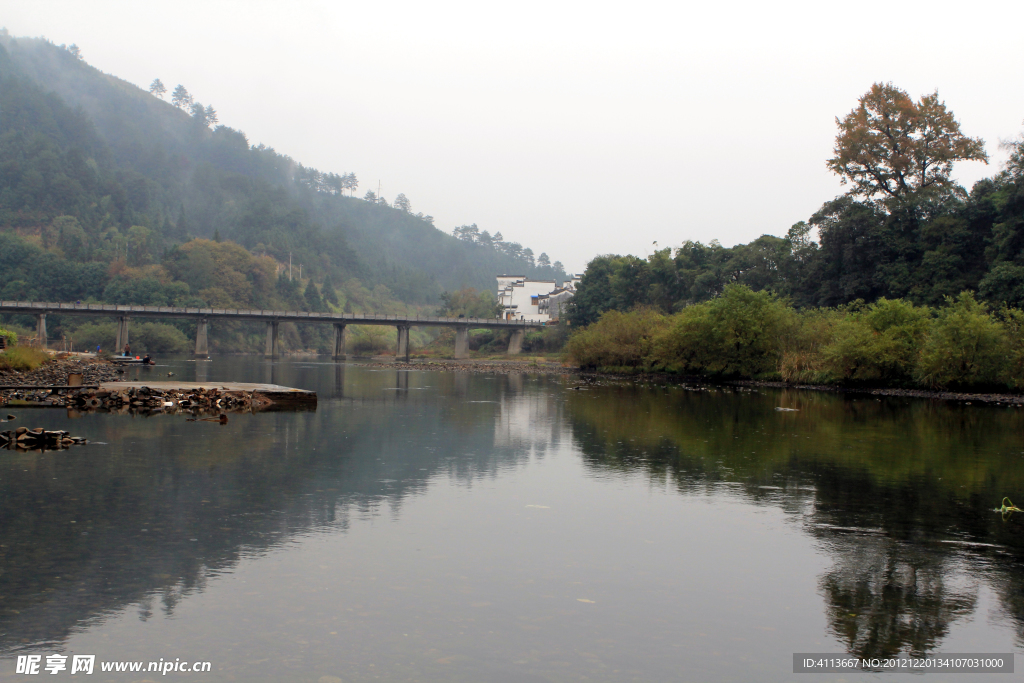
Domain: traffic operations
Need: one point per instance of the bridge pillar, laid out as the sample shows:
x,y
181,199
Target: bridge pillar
x,y
403,344
122,334
515,342
41,330
271,350
461,342
201,347
339,342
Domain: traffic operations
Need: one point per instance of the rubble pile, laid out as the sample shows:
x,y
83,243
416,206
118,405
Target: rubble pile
x,y
149,400
27,439
56,371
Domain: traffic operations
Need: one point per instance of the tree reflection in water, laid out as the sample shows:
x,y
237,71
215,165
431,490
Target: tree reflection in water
x,y
898,492
884,597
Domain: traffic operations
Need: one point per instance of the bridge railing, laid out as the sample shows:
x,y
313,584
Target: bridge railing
x,y
47,307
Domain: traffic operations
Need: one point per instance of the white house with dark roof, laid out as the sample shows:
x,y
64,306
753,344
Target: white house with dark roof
x,y
535,300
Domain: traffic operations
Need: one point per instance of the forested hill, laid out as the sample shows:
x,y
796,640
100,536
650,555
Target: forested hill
x,y
96,171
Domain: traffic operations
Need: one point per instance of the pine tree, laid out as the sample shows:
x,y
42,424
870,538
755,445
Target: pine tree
x,y
180,97
157,88
329,294
181,227
312,297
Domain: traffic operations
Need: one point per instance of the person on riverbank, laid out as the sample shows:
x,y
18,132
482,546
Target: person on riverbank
x,y
127,350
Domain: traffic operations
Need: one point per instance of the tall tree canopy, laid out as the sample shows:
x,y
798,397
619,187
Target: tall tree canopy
x,y
180,98
892,146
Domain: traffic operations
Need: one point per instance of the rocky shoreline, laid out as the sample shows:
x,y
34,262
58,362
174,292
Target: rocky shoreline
x,y
585,377
963,397
499,367
56,371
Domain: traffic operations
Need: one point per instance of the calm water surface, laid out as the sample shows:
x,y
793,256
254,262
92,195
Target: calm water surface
x,y
423,526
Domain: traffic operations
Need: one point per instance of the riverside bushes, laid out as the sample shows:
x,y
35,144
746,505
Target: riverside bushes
x,y
22,358
618,340
738,333
747,334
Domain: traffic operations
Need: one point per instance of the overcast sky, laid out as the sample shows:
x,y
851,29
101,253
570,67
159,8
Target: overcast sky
x,y
574,128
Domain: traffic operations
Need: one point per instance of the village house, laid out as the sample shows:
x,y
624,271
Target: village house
x,y
534,300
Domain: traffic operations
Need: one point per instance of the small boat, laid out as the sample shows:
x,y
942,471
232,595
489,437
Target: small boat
x,y
129,360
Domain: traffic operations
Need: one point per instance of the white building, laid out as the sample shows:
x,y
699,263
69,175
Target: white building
x,y
535,300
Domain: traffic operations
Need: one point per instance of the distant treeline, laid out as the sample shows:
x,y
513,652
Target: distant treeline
x,y
961,344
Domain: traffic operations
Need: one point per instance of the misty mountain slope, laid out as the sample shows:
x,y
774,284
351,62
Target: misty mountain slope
x,y
134,159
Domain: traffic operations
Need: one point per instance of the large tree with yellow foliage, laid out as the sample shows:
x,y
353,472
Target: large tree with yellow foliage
x,y
891,146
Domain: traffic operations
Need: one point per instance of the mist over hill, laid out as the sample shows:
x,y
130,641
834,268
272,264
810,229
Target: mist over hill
x,y
102,181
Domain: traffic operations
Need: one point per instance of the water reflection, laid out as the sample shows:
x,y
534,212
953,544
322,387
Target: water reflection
x,y
896,494
899,493
884,597
160,505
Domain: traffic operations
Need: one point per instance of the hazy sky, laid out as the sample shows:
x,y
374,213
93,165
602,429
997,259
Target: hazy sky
x,y
574,128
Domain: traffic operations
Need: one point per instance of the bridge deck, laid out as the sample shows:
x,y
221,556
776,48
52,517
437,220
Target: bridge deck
x,y
37,307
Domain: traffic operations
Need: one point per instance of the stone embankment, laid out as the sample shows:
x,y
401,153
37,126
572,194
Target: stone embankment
x,y
482,366
148,400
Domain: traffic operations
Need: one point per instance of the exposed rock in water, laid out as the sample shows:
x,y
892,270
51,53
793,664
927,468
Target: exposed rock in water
x,y
38,439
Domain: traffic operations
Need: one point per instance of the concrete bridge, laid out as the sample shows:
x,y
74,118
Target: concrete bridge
x,y
203,316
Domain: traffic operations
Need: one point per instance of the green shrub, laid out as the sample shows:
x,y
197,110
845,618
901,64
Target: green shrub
x,y
93,334
965,346
617,340
1013,325
805,336
877,343
369,340
160,338
10,337
23,358
739,333
488,341
549,339
144,338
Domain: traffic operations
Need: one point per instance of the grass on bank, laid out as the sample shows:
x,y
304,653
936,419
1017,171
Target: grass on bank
x,y
22,358
757,335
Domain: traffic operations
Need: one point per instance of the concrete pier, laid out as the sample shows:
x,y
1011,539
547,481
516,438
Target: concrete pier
x,y
515,342
41,330
122,334
461,342
202,351
402,353
271,349
339,342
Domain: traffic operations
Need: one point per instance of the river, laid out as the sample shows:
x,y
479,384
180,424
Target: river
x,y
427,526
